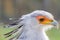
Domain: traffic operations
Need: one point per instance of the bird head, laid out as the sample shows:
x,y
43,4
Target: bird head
x,y
40,19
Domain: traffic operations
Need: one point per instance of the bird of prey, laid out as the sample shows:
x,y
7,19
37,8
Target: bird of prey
x,y
33,26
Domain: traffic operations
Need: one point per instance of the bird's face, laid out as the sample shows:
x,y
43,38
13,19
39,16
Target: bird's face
x,y
46,23
44,20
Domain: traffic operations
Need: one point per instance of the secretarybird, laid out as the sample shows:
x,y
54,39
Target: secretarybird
x,y
33,26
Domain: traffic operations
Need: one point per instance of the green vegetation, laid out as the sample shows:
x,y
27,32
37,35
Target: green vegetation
x,y
4,31
54,34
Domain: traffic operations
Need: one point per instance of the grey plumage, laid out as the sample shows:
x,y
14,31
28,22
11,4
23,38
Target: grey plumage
x,y
31,29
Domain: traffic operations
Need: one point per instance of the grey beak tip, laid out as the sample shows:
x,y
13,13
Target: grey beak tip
x,y
56,24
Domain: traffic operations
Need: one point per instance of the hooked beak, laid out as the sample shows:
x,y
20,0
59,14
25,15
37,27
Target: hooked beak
x,y
55,24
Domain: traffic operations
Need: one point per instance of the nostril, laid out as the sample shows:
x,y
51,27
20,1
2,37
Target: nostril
x,y
51,20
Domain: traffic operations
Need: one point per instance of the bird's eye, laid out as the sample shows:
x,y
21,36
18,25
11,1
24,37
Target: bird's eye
x,y
41,19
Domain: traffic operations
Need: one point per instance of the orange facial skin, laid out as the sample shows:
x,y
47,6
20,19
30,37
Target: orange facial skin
x,y
43,20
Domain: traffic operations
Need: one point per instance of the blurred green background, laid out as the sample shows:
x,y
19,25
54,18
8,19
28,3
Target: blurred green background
x,y
12,10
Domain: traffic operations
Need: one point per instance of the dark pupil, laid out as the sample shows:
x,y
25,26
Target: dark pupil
x,y
42,19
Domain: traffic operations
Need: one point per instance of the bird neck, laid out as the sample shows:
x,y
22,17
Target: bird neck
x,y
35,35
